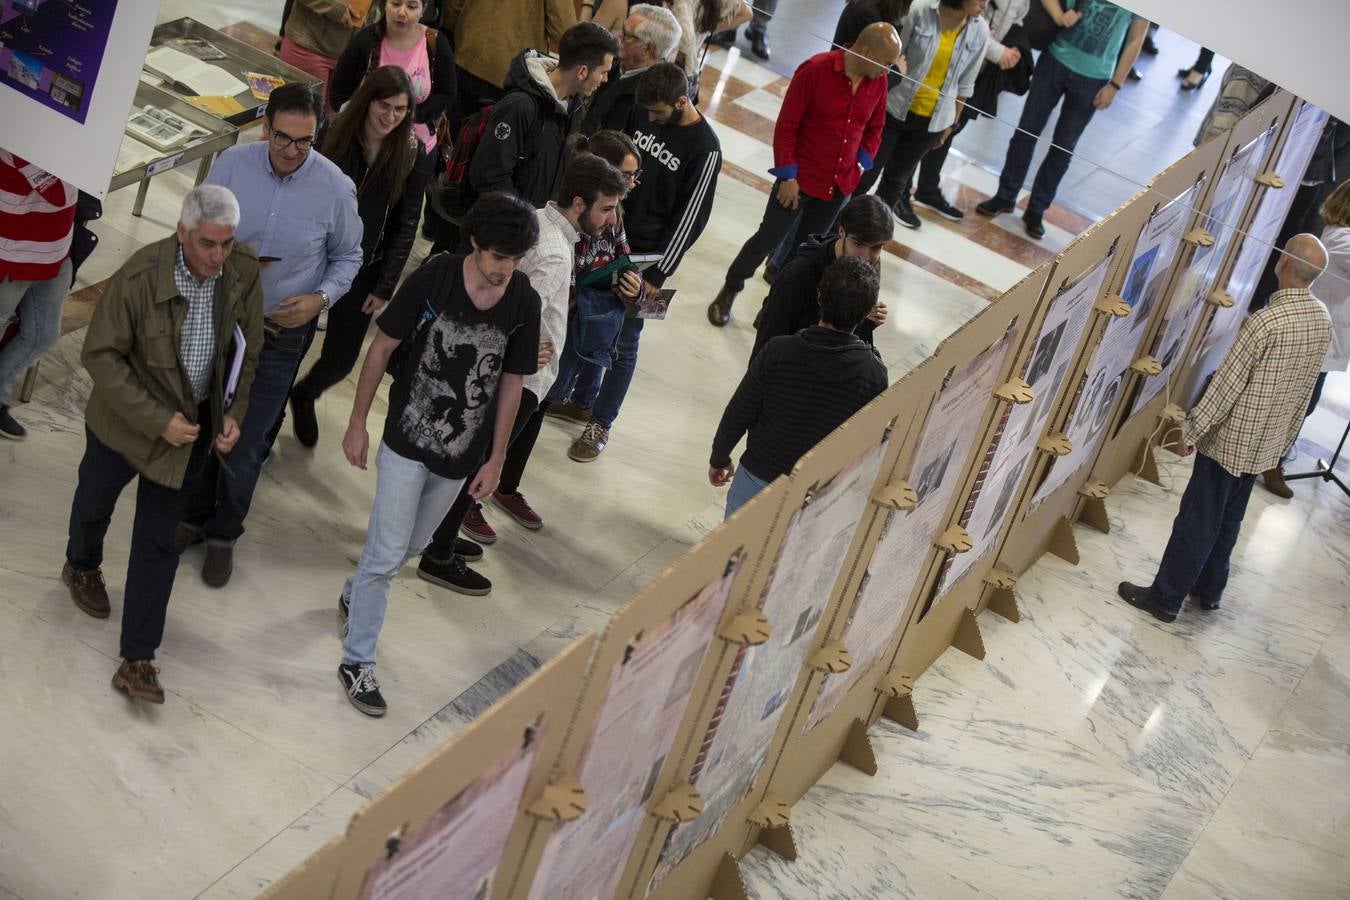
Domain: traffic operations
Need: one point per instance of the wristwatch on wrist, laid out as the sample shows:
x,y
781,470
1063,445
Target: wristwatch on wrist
x,y
323,295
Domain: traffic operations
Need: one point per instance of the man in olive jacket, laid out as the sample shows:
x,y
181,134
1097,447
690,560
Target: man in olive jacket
x,y
171,382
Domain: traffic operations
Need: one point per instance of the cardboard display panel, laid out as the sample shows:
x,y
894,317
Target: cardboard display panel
x,y
313,879
451,826
650,681
925,637
1178,193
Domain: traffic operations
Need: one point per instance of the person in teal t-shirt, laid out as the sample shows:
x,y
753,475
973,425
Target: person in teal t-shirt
x,y
1086,67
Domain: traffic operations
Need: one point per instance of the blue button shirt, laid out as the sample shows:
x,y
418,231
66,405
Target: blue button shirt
x,y
307,219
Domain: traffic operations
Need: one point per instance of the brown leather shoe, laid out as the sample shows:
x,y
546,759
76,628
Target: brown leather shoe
x,y
719,311
87,590
140,679
219,565
591,443
185,535
568,410
1275,483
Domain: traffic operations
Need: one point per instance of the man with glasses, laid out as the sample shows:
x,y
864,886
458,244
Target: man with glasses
x,y
298,212
650,35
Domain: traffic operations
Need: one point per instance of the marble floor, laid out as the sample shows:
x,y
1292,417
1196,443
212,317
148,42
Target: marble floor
x,y
1149,752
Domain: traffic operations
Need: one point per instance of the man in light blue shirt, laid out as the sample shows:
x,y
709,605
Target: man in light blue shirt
x,y
298,212
1085,66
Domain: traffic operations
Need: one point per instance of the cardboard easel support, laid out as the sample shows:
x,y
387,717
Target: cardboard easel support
x,y
772,818
1002,599
728,884
898,689
1093,512
1062,542
857,750
968,639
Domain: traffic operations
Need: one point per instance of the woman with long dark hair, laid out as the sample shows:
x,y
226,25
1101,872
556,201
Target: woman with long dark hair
x,y
372,142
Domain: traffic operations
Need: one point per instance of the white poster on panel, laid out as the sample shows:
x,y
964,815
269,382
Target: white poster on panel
x,y
68,74
1024,425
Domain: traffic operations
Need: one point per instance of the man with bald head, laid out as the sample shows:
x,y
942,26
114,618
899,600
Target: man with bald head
x,y
827,134
1250,413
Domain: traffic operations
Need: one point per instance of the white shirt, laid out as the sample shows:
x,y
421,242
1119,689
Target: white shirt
x,y
550,265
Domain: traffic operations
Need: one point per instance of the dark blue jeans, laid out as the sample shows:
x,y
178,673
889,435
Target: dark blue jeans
x,y
153,562
222,499
1203,534
599,389
1050,81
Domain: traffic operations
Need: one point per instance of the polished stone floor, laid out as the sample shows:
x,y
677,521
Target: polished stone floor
x,y
1092,754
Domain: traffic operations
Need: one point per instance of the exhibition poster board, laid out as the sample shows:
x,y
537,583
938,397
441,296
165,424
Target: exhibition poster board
x,y
1108,370
68,72
649,689
1187,305
1014,447
445,829
881,602
762,678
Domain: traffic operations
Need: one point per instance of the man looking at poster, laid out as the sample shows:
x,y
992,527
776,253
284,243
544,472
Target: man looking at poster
x,y
161,349
801,387
1251,411
299,212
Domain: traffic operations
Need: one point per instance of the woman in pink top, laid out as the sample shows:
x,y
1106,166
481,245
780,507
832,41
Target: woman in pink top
x,y
400,39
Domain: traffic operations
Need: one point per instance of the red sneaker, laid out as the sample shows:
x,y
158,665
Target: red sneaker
x,y
519,509
477,527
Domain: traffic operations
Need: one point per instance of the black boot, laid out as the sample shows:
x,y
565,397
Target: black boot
x,y
759,41
303,418
719,311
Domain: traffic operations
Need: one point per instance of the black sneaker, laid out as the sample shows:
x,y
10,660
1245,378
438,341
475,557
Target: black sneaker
x,y
938,204
455,575
303,419
993,206
905,214
362,689
344,613
10,428
468,550
1137,596
1034,225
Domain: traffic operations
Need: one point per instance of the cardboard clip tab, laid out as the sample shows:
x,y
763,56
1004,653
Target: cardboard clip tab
x,y
775,831
896,495
1146,365
832,658
1270,178
749,628
1015,391
1113,305
1095,490
562,801
682,804
898,689
1173,413
1055,444
1001,578
896,684
954,540
1198,237
1220,298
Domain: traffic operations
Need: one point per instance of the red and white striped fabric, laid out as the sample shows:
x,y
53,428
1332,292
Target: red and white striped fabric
x,y
37,218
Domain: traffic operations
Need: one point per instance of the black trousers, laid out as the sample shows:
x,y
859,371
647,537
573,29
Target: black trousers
x,y
930,169
903,144
442,545
811,216
347,326
153,562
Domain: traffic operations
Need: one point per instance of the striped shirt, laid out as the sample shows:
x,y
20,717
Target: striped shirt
x,y
197,345
1253,408
37,219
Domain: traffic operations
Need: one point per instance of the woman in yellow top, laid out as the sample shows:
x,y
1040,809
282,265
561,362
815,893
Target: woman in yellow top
x,y
944,43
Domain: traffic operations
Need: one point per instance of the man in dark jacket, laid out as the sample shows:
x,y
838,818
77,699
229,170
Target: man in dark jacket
x,y
161,351
525,142
865,226
801,387
650,35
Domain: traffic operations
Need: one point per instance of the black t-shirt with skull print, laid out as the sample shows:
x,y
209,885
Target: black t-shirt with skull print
x,y
443,402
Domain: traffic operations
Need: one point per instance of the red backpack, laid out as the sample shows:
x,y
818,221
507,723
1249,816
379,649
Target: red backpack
x,y
451,195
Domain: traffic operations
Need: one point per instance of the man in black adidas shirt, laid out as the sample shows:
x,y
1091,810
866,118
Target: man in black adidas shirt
x,y
664,214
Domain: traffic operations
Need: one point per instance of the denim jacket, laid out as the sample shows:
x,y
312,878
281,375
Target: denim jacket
x,y
919,34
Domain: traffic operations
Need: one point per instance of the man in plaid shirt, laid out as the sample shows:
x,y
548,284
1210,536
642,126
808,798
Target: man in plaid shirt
x,y
1249,415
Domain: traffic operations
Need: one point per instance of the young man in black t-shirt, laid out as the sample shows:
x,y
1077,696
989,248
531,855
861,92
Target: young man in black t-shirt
x,y
471,329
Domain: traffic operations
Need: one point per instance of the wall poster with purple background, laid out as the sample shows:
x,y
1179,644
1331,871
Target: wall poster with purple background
x,y
51,50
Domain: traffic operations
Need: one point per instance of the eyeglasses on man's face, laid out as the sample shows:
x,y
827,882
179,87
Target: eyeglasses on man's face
x,y
283,141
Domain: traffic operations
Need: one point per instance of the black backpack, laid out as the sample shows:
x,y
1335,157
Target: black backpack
x,y
451,194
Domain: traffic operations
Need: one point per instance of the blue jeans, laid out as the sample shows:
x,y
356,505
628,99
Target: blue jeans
x,y
1203,534
39,304
410,502
744,485
604,398
222,499
1050,81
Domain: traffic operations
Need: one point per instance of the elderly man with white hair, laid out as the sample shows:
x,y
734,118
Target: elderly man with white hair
x,y
650,35
1251,411
171,350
